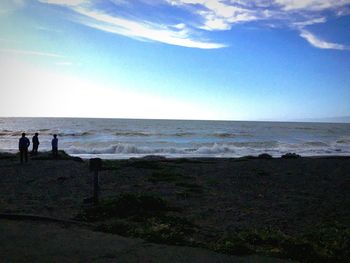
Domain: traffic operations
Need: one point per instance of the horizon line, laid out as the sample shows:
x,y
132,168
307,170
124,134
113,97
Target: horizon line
x,y
306,120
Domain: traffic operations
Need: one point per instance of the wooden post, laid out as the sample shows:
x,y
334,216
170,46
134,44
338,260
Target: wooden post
x,y
95,166
96,187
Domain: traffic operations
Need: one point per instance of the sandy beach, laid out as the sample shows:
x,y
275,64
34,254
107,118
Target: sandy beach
x,y
275,207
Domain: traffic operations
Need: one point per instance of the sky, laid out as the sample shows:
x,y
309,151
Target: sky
x,y
175,59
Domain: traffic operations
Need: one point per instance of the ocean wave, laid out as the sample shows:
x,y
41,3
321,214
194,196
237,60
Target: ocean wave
x,y
42,132
257,144
216,149
315,144
132,134
74,134
227,149
10,133
145,134
225,135
123,148
5,132
183,134
343,140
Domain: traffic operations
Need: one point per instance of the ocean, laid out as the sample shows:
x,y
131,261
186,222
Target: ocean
x,y
125,138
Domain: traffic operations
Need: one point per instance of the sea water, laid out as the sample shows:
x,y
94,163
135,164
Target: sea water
x,y
125,138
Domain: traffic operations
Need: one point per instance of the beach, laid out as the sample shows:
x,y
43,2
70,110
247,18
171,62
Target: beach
x,y
237,206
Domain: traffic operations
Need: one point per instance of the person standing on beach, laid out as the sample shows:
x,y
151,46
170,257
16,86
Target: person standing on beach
x,y
54,144
35,141
23,147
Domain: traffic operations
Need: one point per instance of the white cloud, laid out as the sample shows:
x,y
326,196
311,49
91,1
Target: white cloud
x,y
297,14
64,2
311,4
173,35
147,31
218,15
210,15
310,22
319,43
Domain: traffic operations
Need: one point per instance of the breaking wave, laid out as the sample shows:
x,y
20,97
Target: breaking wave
x,y
213,149
74,134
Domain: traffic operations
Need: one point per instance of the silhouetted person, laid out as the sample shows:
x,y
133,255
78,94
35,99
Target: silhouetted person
x,y
35,141
23,147
54,144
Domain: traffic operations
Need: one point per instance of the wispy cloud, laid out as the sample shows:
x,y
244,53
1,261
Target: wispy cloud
x,y
320,43
219,15
30,52
177,34
174,35
310,22
203,16
64,2
313,5
296,14
48,29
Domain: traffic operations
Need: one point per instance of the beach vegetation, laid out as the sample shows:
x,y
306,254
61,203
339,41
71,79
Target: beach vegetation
x,y
264,156
154,219
144,216
62,155
327,243
290,156
134,163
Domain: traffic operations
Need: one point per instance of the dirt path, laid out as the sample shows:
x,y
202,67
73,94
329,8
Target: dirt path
x,y
34,241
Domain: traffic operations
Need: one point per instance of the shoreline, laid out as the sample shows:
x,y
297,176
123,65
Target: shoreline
x,y
47,154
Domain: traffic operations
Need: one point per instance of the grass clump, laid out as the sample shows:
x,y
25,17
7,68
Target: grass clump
x,y
153,219
264,156
143,216
323,244
167,230
290,156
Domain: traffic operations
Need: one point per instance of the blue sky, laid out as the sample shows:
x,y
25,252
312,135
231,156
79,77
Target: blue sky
x,y
182,59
